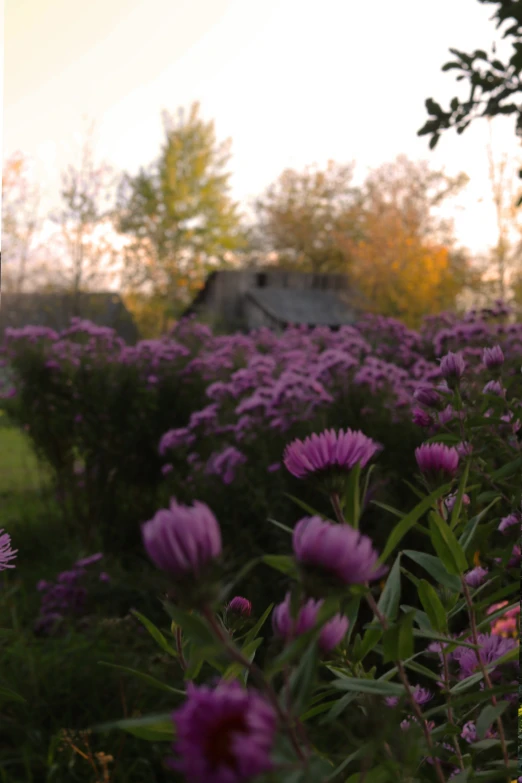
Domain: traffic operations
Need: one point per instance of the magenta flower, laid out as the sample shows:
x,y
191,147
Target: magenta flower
x,y
494,387
338,550
493,358
437,462
421,418
476,576
224,734
6,553
284,625
452,367
427,396
509,521
330,449
182,540
241,606
85,561
452,499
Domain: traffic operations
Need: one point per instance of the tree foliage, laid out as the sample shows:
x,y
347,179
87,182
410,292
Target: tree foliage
x,y
177,214
20,221
494,86
301,215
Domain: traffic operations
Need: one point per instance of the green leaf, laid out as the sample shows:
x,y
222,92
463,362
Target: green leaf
x,y
302,679
239,578
257,627
433,606
446,545
507,470
145,677
460,494
375,687
236,669
371,638
155,633
6,694
283,563
280,525
152,727
468,535
398,640
407,522
338,708
488,716
390,596
193,626
309,510
435,568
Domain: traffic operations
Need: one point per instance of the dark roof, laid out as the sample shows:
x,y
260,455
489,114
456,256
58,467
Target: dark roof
x,y
313,307
56,310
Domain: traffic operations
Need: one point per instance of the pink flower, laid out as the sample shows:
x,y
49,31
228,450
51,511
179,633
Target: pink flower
x,y
224,734
182,540
330,449
240,606
493,358
336,549
476,576
284,625
436,461
509,521
6,553
452,367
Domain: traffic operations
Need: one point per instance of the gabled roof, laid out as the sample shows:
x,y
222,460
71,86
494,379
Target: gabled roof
x,y
56,310
312,307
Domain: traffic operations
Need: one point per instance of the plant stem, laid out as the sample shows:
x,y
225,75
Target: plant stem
x,y
407,687
334,497
450,709
179,647
485,674
258,675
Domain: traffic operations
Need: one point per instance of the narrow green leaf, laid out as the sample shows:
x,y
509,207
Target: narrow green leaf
x,y
391,595
460,494
283,563
467,536
156,723
407,522
435,568
303,678
305,507
257,627
507,470
351,500
280,525
376,687
193,626
446,545
236,670
433,606
6,694
145,677
155,633
488,716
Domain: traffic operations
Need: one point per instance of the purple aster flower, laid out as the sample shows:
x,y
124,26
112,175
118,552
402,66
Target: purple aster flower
x,y
437,462
330,449
492,647
494,387
452,499
43,585
452,367
182,540
339,550
224,734
284,625
86,561
464,449
240,605
421,418
493,358
6,553
509,521
427,396
421,695
274,467
476,576
166,469
104,577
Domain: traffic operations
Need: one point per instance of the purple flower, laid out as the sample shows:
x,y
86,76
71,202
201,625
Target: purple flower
x,y
436,461
224,734
240,606
330,449
166,469
182,540
493,358
421,418
273,467
104,577
421,695
509,521
427,396
494,387
224,463
476,576
492,647
336,549
452,499
284,625
452,367
86,561
464,449
6,553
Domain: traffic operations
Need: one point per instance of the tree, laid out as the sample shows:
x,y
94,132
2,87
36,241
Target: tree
x,y
20,221
493,85
405,262
301,215
178,215
88,253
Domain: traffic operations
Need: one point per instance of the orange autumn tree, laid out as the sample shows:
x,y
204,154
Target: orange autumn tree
x,y
405,261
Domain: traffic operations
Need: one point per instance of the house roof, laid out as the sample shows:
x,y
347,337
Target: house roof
x,y
56,310
313,307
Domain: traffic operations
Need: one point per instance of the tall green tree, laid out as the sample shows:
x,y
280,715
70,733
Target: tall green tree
x,y
495,86
301,215
178,216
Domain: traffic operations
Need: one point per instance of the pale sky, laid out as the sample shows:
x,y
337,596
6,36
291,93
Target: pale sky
x,y
292,82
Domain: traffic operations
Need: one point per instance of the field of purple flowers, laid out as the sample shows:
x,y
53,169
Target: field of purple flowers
x,y
210,418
